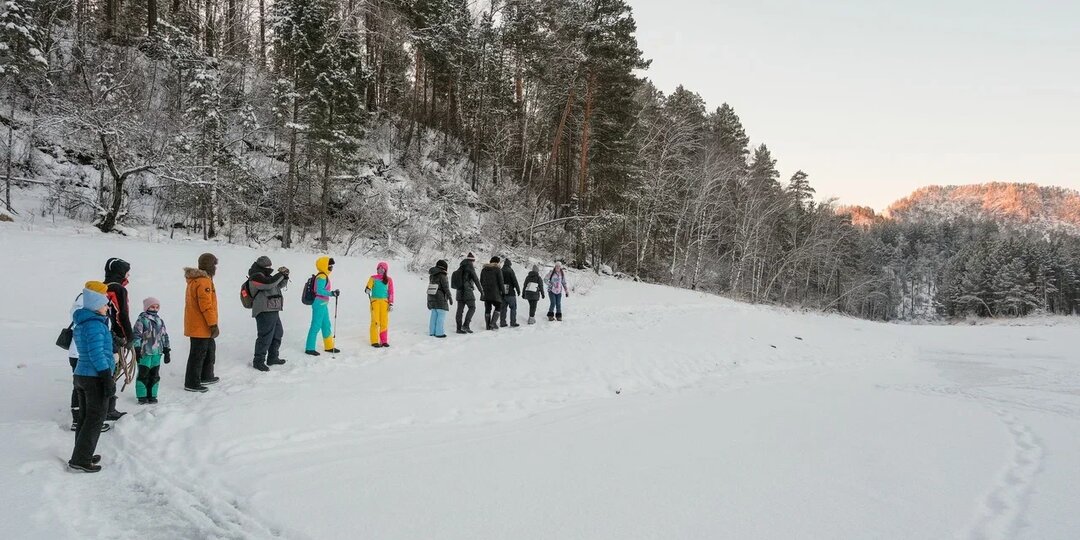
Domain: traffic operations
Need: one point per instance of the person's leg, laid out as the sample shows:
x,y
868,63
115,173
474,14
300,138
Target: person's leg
x,y
273,354
471,304
196,356
315,327
142,380
532,307
503,307
558,305
457,318
384,322
440,322
209,360
432,318
155,377
373,329
264,329
512,302
551,305
80,401
327,329
93,404
76,415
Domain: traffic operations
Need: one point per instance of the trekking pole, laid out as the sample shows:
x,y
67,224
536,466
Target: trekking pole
x,y
335,318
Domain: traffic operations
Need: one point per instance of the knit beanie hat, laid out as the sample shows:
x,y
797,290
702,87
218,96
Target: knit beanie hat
x,y
536,268
96,286
442,264
150,301
94,300
264,262
470,257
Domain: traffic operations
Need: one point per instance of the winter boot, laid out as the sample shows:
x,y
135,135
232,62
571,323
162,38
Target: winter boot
x,y
152,400
468,330
460,331
211,380
200,389
312,353
514,325
113,414
260,365
376,345
96,459
333,351
144,401
532,320
91,468
385,344
275,362
551,318
558,317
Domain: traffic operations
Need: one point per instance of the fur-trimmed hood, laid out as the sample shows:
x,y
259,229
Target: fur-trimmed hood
x,y
194,273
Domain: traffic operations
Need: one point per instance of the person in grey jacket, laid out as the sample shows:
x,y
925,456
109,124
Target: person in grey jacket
x,y
510,292
266,305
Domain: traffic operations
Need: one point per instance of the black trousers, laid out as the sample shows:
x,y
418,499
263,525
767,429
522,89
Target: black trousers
x,y
76,411
268,344
509,304
200,362
532,306
92,401
461,305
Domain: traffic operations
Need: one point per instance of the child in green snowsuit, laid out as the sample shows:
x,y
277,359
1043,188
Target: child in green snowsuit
x,y
151,345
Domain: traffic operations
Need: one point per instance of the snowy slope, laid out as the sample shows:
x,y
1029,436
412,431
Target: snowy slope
x,y
649,413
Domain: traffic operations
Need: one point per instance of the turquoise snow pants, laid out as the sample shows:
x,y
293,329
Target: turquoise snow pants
x,y
320,322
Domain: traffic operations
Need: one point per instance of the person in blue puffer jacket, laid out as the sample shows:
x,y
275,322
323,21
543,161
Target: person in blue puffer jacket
x,y
93,377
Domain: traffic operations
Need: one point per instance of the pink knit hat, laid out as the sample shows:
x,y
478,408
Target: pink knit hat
x,y
150,301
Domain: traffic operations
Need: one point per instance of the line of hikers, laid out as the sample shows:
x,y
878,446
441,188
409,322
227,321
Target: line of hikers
x,y
102,342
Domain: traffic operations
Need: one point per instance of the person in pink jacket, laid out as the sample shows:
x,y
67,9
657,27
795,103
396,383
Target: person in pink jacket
x,y
380,289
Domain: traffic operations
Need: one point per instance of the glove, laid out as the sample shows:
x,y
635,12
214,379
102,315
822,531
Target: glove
x,y
166,351
283,270
110,384
214,333
336,293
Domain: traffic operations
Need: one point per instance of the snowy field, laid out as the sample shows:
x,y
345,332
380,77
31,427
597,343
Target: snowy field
x,y
649,413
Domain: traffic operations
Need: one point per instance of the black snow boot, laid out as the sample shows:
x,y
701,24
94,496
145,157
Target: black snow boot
x,y
200,389
312,353
558,317
260,365
275,362
211,380
333,351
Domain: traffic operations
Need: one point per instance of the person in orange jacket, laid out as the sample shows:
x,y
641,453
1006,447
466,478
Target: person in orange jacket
x,y
380,289
201,323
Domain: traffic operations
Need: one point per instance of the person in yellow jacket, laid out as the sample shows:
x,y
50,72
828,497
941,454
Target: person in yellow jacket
x,y
380,289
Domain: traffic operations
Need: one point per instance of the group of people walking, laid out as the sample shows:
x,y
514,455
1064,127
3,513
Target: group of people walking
x,y
105,342
499,290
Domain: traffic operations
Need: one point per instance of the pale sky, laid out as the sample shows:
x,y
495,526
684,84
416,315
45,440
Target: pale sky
x,y
875,98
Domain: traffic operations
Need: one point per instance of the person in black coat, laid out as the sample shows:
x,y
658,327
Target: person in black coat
x,y
491,289
533,291
510,291
463,280
438,298
116,277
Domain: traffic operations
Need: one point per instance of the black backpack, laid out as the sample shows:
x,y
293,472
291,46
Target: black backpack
x,y
455,279
308,296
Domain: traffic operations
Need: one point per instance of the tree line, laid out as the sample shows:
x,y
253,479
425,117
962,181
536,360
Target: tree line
x,y
239,115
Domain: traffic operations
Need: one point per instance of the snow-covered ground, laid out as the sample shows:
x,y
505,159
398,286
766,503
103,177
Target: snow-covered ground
x,y
649,413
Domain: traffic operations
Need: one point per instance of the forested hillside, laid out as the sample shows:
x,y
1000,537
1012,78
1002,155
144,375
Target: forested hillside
x,y
436,125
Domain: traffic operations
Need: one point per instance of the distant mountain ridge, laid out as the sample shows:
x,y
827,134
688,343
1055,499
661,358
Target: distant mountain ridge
x,y
1021,205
